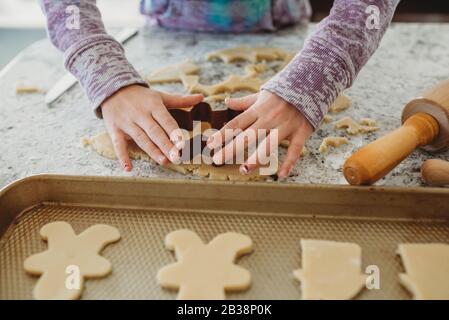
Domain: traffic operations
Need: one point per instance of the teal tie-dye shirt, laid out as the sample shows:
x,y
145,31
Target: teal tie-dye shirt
x,y
226,15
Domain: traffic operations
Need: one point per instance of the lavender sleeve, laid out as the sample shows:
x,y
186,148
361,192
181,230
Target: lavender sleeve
x,y
332,56
90,54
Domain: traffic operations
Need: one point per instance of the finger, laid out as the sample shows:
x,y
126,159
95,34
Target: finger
x,y
229,130
180,101
238,145
143,141
264,150
293,155
169,124
121,149
159,137
242,103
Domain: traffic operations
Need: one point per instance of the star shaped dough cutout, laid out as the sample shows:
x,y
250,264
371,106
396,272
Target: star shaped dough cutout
x,y
68,250
205,271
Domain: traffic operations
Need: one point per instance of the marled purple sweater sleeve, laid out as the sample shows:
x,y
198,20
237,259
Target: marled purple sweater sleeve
x,y
332,57
90,54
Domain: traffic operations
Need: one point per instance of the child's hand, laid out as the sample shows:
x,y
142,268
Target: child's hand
x,y
141,114
264,110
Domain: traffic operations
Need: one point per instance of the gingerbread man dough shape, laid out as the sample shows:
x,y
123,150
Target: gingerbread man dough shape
x,y
205,271
330,270
66,249
426,270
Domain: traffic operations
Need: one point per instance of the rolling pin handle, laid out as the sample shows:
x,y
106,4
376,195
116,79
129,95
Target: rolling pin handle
x,y
435,172
375,160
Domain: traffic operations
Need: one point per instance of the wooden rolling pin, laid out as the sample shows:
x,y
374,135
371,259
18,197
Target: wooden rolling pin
x,y
425,124
435,172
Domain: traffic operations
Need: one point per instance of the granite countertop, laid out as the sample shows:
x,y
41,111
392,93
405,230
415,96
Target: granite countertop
x,y
37,139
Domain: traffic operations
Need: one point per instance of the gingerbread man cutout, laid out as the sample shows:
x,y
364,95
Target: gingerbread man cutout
x,y
205,271
67,252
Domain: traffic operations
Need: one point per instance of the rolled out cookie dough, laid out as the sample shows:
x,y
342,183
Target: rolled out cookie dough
x,y
327,118
353,127
250,54
333,142
173,73
426,270
217,98
66,251
368,122
102,144
205,271
330,270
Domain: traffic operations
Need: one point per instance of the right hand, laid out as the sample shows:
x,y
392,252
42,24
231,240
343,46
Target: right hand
x,y
141,114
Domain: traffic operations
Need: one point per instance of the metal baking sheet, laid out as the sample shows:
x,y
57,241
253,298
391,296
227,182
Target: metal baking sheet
x,y
276,216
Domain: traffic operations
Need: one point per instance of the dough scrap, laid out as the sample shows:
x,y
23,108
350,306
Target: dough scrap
x,y
205,271
330,270
173,73
426,270
368,122
23,89
353,127
231,84
333,142
250,54
216,98
327,118
102,144
253,70
340,104
65,249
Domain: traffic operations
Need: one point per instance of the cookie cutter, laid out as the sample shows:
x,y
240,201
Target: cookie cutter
x,y
185,117
203,112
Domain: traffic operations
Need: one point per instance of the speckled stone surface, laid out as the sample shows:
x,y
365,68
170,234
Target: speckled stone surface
x,y
37,139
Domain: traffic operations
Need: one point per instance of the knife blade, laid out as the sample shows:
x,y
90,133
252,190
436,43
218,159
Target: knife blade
x,y
68,81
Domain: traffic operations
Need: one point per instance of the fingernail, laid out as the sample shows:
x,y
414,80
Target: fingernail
x,y
282,175
127,167
210,141
226,100
244,169
178,141
161,160
180,145
217,159
174,156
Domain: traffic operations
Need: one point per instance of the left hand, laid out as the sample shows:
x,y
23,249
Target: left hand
x,y
263,110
